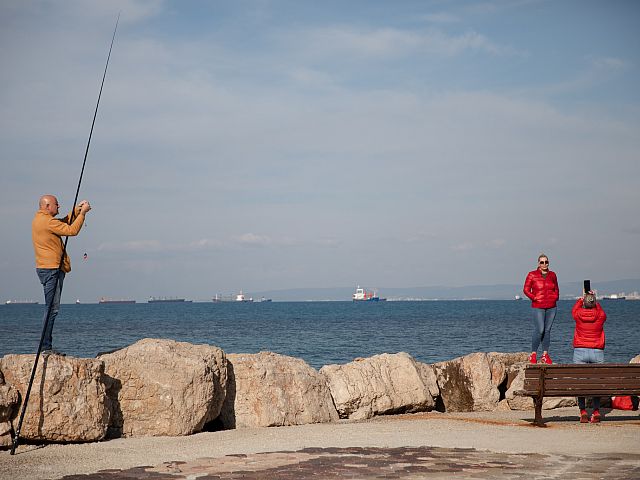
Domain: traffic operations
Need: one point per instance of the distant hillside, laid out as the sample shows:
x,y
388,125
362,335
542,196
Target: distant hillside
x,y
484,292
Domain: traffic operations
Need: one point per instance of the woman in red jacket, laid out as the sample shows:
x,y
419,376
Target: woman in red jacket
x,y
588,344
541,286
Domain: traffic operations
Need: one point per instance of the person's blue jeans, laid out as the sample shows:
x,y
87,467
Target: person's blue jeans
x,y
588,355
51,279
542,323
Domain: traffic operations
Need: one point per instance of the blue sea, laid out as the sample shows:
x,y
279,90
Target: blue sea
x,y
321,333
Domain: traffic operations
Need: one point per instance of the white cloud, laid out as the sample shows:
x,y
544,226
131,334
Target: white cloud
x,y
391,42
441,17
609,63
463,247
252,239
497,243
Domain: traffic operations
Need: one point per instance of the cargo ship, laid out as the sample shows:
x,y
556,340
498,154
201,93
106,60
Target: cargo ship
x,y
362,295
240,298
167,300
111,300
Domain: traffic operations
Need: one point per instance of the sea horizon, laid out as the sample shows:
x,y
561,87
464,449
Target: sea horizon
x,y
321,333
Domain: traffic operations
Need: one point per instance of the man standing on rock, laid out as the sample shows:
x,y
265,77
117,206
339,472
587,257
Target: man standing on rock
x,y
46,233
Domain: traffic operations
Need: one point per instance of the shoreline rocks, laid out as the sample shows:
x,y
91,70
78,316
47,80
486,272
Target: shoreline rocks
x,y
379,385
267,389
164,387
68,400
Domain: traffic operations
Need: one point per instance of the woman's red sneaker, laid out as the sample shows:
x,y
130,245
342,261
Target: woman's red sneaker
x,y
546,359
533,358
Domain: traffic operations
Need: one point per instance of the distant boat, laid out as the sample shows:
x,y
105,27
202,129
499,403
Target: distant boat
x,y
518,297
241,298
111,300
167,300
77,301
614,296
21,302
222,298
263,299
362,295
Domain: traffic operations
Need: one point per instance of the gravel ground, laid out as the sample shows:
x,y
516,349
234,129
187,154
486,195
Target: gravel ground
x,y
563,439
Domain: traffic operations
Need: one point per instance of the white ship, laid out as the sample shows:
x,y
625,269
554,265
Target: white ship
x,y
362,295
21,302
241,298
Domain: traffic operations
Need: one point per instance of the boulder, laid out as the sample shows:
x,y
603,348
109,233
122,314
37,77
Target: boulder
x,y
635,359
378,385
267,389
428,375
501,364
9,401
466,384
164,387
517,402
68,401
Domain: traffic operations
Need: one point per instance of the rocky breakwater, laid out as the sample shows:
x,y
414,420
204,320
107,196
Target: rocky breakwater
x,y
68,400
380,385
266,389
163,387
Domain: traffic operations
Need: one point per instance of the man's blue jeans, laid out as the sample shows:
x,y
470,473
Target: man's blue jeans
x,y
542,323
588,355
48,278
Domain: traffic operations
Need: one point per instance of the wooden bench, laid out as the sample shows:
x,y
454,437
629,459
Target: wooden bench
x,y
579,380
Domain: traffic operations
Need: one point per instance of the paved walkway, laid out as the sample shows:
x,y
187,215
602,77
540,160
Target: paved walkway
x,y
431,445
371,463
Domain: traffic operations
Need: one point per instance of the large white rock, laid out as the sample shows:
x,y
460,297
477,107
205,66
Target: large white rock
x,y
9,402
470,383
635,359
267,389
164,387
378,385
68,401
428,375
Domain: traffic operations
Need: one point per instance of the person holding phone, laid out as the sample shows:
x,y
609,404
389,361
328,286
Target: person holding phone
x,y
541,287
588,343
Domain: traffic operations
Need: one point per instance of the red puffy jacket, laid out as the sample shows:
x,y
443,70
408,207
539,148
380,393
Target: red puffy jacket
x,y
542,291
589,331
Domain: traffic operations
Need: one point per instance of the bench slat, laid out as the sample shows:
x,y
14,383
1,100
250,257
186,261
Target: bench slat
x,y
594,382
587,374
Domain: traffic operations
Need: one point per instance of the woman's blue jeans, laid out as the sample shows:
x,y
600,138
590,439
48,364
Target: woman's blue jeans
x,y
588,355
52,294
542,323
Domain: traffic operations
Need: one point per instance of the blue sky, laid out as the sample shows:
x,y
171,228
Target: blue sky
x,y
262,145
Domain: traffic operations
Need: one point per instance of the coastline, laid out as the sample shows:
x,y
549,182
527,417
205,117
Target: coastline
x,y
563,444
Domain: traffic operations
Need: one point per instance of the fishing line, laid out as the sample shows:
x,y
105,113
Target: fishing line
x,y
16,437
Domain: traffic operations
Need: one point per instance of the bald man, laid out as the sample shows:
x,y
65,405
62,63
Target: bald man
x,y
46,233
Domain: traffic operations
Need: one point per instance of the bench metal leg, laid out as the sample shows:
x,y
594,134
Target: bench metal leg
x,y
538,418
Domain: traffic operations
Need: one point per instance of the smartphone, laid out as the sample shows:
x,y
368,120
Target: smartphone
x,y
587,286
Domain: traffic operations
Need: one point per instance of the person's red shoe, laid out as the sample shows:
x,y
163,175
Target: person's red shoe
x,y
584,418
533,358
595,417
546,359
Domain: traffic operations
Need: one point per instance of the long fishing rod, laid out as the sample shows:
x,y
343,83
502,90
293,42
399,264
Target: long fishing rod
x,y
16,437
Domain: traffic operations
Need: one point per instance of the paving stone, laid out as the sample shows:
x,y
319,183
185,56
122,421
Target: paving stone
x,y
389,463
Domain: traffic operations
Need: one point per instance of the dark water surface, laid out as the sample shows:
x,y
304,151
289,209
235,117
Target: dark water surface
x,y
321,333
